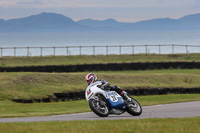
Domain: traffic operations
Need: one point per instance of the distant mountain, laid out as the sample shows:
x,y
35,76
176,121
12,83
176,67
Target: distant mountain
x,y
108,23
2,25
155,24
191,18
42,22
190,22
52,22
1,20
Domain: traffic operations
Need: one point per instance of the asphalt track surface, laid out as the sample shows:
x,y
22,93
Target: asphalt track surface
x,y
175,110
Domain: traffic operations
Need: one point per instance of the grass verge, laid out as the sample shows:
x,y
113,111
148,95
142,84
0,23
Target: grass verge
x,y
84,59
11,109
37,85
174,125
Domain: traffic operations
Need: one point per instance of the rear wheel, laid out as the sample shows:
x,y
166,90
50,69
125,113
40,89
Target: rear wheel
x,y
99,107
134,108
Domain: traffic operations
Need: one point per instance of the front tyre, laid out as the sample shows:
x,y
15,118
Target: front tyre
x,y
134,108
99,108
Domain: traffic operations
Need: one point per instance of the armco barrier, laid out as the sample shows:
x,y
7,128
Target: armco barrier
x,y
137,92
104,67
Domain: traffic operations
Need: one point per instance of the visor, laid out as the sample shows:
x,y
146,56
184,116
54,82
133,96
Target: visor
x,y
90,81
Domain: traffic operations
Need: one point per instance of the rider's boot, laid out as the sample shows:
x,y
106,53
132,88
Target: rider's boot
x,y
125,96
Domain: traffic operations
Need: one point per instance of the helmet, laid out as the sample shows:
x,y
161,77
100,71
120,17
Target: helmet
x,y
90,78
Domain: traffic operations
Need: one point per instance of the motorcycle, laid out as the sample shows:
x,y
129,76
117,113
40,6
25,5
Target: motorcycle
x,y
105,102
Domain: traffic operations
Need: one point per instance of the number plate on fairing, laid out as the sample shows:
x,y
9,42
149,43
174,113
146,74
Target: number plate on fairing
x,y
112,95
115,100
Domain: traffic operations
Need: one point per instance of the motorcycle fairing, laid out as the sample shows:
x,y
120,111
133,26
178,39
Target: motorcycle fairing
x,y
92,90
115,100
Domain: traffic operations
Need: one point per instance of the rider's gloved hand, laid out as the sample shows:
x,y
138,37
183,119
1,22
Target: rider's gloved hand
x,y
105,86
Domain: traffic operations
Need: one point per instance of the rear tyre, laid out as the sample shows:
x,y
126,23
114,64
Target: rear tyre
x,y
134,108
99,108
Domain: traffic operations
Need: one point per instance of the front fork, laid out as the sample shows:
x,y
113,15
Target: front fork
x,y
99,98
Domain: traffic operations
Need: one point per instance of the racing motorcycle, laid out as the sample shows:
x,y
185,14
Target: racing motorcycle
x,y
105,102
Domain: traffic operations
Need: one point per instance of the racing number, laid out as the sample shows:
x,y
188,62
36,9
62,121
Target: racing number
x,y
113,98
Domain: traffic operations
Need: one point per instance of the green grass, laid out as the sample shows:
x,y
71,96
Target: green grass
x,y
11,109
165,99
154,71
37,85
84,59
173,125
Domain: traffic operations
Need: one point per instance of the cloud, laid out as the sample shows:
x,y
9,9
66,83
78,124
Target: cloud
x,y
19,3
96,3
119,3
35,2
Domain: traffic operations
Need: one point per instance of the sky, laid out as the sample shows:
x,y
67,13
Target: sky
x,y
120,10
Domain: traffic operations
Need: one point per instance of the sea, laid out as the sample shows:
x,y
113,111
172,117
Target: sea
x,y
99,43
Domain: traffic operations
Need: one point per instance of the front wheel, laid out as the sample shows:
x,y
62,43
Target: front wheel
x,y
100,108
134,108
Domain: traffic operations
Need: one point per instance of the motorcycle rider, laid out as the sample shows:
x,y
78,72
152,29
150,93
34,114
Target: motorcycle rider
x,y
91,78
